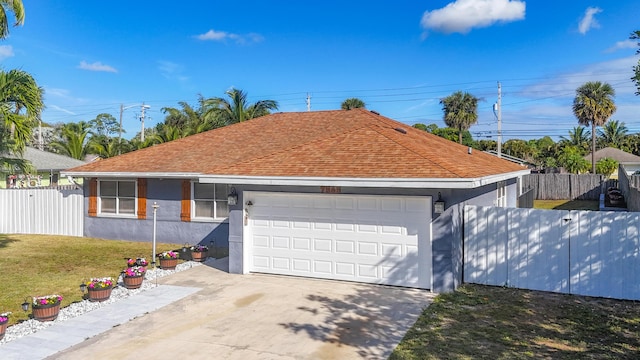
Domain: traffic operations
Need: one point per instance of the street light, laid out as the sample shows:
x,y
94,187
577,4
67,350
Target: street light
x,y
122,109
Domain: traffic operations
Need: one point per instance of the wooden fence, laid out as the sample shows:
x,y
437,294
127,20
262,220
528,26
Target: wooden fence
x,y
42,211
567,186
630,187
593,253
526,200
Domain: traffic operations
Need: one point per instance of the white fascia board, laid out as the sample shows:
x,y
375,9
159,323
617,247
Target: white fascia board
x,y
434,183
150,175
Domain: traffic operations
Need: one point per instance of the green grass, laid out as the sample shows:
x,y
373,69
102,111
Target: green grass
x,y
37,265
483,322
566,204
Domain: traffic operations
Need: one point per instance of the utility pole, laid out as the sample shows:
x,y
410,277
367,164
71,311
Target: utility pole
x,y
144,107
499,120
308,102
120,131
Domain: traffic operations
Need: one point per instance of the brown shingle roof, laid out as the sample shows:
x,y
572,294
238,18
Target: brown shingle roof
x,y
342,144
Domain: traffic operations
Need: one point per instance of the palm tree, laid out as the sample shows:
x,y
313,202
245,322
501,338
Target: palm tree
x,y
636,69
14,6
460,111
106,149
578,137
613,134
73,140
20,106
352,103
237,110
593,106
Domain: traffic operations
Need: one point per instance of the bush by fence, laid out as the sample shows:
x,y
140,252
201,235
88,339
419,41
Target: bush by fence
x,y
567,186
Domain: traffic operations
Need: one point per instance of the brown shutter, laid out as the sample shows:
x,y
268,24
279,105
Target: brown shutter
x,y
142,199
93,197
185,211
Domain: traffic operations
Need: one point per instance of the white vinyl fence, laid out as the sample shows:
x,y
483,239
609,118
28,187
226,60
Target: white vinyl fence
x,y
593,253
42,211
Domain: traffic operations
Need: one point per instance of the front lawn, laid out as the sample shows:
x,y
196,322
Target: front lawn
x,y
484,322
37,265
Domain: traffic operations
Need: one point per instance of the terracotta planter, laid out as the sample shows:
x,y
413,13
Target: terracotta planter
x,y
47,312
199,256
133,282
99,294
168,264
3,328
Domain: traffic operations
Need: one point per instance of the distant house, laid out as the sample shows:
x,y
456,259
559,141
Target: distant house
x,y
615,154
344,195
48,166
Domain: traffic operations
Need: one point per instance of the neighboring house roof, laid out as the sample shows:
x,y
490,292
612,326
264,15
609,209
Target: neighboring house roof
x,y
46,161
615,154
345,146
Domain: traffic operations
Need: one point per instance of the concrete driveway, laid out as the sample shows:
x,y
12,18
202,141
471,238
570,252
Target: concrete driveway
x,y
263,317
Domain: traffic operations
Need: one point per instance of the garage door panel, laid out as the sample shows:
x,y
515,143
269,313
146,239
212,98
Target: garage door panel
x,y
373,239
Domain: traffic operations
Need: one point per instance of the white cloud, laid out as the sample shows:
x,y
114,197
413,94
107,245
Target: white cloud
x,y
172,71
96,66
463,15
58,108
588,21
213,35
625,44
615,72
6,51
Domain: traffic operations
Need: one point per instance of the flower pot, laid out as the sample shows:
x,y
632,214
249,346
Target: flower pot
x,y
133,282
168,264
199,256
3,328
100,294
48,312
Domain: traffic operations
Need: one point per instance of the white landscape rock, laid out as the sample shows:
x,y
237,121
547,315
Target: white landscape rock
x,y
76,309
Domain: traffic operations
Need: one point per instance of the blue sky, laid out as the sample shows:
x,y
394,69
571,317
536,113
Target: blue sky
x,y
400,57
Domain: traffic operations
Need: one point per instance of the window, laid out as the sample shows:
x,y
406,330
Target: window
x,y
210,201
501,201
117,197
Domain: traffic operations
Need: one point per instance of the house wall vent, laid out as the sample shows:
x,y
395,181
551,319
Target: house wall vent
x,y
400,130
375,112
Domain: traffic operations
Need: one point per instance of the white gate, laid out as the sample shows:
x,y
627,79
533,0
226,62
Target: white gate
x,y
42,211
578,252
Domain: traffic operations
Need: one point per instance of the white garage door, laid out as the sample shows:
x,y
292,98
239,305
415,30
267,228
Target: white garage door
x,y
372,239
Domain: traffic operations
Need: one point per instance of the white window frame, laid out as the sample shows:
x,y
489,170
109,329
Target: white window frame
x,y
117,213
501,191
214,202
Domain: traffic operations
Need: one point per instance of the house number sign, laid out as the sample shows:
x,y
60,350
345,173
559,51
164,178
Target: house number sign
x,y
331,189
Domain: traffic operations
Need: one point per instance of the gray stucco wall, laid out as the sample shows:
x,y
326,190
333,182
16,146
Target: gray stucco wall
x,y
447,248
169,229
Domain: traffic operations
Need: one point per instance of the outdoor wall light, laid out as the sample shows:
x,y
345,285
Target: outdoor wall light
x,y
83,287
438,206
233,197
25,305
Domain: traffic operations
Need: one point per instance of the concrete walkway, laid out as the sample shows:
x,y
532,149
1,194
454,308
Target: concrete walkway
x,y
217,315
63,335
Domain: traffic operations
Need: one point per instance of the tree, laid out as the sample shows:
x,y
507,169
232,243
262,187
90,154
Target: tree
x,y
20,106
17,8
594,105
613,134
420,126
572,160
104,124
578,137
460,111
636,69
237,109
73,140
352,103
606,166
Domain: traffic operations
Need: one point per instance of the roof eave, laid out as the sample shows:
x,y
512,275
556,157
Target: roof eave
x,y
127,174
433,183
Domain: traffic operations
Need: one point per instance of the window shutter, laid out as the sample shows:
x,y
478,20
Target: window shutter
x,y
93,197
185,211
142,199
